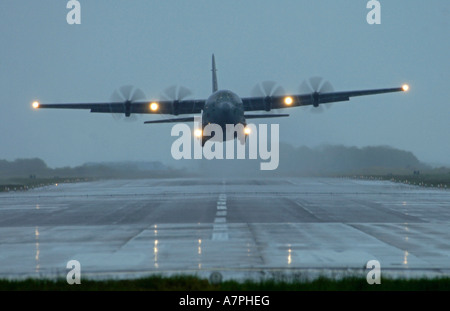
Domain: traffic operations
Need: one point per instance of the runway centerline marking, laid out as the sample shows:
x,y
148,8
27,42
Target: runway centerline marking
x,y
220,227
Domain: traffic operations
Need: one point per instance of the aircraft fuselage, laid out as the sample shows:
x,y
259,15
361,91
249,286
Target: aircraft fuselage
x,y
223,107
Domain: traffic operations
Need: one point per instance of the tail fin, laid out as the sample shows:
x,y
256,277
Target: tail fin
x,y
214,75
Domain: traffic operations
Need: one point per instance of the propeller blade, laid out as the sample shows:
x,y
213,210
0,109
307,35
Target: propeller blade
x,y
305,88
257,92
279,91
315,83
170,93
137,95
126,91
267,88
116,97
183,92
315,86
176,93
326,87
318,109
126,95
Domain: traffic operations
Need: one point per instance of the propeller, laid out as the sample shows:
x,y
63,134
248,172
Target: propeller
x,y
316,86
267,89
176,94
126,95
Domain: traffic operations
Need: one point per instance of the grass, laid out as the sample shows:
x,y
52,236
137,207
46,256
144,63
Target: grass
x,y
192,283
24,184
424,180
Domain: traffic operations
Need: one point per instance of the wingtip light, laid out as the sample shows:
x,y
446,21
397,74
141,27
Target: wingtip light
x,y
36,104
405,87
198,133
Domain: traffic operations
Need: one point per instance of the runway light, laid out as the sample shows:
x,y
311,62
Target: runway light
x,y
288,100
36,105
405,87
198,133
154,106
247,131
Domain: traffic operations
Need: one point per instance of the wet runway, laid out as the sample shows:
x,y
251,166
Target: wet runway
x,y
242,228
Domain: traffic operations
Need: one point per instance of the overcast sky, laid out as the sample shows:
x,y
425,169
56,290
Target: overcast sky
x,y
156,44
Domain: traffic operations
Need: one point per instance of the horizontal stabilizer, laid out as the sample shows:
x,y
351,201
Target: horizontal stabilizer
x,y
188,119
262,116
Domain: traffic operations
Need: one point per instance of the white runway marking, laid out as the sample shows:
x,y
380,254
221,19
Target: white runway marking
x,y
244,228
220,229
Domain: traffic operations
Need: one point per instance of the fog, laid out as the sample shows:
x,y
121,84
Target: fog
x,y
155,44
303,161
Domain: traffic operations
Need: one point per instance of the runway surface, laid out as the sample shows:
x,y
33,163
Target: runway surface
x,y
241,228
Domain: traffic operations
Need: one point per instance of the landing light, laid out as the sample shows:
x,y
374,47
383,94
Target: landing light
x,y
405,87
288,100
36,105
198,133
154,106
247,131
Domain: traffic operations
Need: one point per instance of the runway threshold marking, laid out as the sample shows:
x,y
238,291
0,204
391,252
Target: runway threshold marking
x,y
220,227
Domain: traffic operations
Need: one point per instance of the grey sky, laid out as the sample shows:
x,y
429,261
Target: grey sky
x,y
155,44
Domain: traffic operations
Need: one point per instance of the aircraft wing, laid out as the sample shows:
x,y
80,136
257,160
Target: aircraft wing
x,y
191,119
288,101
127,108
181,107
176,120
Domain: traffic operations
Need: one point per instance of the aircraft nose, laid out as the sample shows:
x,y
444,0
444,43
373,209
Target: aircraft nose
x,y
226,107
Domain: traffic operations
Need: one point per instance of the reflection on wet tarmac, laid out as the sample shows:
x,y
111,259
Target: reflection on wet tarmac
x,y
289,258
239,226
155,254
199,251
36,235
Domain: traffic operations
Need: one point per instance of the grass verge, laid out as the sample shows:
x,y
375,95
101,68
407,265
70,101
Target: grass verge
x,y
191,283
423,180
24,184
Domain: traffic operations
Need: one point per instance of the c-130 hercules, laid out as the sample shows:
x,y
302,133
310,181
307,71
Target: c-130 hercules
x,y
222,107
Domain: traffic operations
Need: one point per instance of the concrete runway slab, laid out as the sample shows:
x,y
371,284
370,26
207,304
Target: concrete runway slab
x,y
242,228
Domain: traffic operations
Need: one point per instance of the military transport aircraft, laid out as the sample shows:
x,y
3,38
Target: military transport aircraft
x,y
222,106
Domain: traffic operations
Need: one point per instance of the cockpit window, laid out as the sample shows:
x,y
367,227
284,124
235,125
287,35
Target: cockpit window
x,y
224,96
227,95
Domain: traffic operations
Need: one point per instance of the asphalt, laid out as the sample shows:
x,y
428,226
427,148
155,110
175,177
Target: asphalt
x,y
242,228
